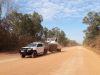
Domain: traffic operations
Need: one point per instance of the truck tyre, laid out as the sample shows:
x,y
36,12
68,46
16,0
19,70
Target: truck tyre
x,y
34,54
45,52
23,56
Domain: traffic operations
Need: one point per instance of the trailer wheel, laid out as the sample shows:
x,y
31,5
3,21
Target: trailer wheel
x,y
58,50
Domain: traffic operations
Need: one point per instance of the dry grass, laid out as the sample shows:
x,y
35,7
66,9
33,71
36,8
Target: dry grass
x,y
96,50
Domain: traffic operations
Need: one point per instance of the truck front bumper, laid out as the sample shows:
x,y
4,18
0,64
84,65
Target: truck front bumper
x,y
26,52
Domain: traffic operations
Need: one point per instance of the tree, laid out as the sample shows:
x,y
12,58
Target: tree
x,y
59,34
25,25
22,28
38,28
93,31
45,33
5,38
93,22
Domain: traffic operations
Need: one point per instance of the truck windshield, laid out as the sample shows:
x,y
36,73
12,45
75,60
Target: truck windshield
x,y
31,45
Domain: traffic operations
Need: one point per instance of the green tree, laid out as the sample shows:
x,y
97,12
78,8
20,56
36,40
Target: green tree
x,y
24,24
22,28
59,34
45,33
93,31
38,28
5,38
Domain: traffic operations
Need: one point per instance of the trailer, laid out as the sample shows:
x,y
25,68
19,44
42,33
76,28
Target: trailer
x,y
53,45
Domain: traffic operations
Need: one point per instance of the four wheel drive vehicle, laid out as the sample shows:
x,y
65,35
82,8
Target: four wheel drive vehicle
x,y
38,48
33,49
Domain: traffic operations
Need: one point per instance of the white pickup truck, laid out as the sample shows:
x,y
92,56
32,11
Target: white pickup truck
x,y
33,49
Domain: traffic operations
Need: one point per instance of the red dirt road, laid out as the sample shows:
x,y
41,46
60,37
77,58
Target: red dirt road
x,y
71,61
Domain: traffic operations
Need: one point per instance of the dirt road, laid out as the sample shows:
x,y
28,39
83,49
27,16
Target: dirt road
x,y
71,61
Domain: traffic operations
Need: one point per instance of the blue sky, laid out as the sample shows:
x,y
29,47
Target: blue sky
x,y
65,14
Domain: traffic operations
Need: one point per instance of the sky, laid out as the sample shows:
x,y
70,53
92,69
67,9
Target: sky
x,y
65,14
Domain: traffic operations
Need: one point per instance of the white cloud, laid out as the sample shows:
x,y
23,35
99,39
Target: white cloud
x,y
48,10
51,9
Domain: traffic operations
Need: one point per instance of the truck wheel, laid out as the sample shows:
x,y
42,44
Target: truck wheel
x,y
34,54
23,56
45,51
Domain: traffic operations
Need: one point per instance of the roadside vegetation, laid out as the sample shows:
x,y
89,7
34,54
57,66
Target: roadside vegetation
x,y
18,29
92,38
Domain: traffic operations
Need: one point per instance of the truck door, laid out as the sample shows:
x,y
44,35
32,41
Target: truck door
x,y
40,48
